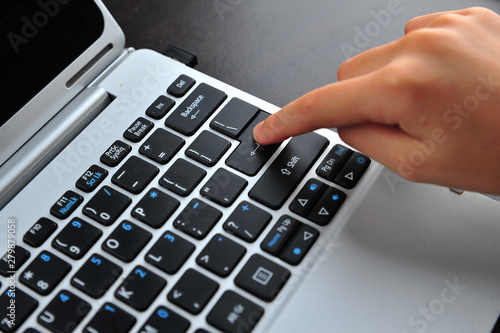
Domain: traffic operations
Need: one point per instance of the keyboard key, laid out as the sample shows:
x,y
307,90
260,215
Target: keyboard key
x,y
195,109
24,305
110,318
249,157
91,179
115,153
262,277
182,177
161,146
138,130
159,108
302,240
155,208
279,235
208,148
106,205
234,313
284,174
170,252
352,171
197,219
39,232
221,255
66,205
165,320
223,187
64,312
76,238
324,210
333,161
234,117
140,288
12,260
247,221
45,272
307,197
193,291
181,85
96,276
126,241
135,175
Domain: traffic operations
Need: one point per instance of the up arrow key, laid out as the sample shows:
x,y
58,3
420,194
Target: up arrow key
x,y
323,211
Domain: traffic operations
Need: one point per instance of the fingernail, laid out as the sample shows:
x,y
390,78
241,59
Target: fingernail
x,y
257,130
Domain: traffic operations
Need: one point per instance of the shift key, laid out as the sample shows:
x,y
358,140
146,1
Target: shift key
x,y
287,170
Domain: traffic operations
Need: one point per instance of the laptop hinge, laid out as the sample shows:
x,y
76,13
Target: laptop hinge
x,y
33,156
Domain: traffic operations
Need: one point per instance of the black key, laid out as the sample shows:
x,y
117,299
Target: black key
x,y
221,255
138,130
307,197
12,260
161,146
333,161
22,306
193,291
39,232
170,252
66,205
45,272
249,157
115,153
159,108
96,276
284,174
208,148
302,240
76,238
140,288
247,221
135,175
126,241
64,312
223,187
165,320
106,205
262,277
235,314
181,85
352,171
195,109
91,179
182,177
197,219
155,208
279,235
327,206
110,318
234,117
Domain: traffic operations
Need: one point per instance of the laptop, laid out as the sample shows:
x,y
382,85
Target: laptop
x,y
134,199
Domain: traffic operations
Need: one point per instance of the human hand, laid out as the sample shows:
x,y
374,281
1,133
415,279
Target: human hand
x,y
426,106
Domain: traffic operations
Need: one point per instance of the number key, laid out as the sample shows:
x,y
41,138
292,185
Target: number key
x,y
45,272
126,241
76,238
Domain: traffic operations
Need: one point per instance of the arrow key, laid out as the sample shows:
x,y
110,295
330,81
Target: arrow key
x,y
307,196
299,245
323,212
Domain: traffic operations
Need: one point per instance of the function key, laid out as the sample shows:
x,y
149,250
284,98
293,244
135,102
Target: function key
x,y
138,130
159,108
234,117
91,179
352,171
45,272
76,238
12,260
106,205
333,161
207,148
165,320
24,307
96,276
110,318
181,86
161,146
135,174
234,313
115,153
64,312
170,252
66,205
262,277
39,232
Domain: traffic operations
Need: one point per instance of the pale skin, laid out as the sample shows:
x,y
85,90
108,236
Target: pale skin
x,y
427,106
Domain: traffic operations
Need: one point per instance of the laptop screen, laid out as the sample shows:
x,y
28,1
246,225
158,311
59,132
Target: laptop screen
x,y
40,39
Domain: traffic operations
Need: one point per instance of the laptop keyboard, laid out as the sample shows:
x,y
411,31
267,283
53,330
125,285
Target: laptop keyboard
x,y
163,231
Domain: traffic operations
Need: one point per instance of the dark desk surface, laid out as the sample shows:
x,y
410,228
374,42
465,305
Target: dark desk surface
x,y
276,50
